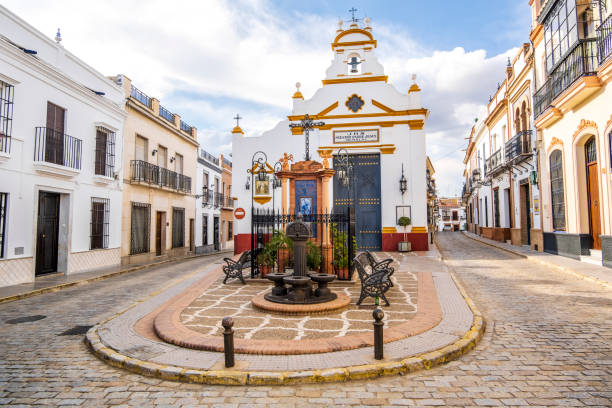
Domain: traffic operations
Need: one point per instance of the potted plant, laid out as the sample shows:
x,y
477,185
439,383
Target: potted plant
x,y
265,260
404,246
313,256
283,247
341,252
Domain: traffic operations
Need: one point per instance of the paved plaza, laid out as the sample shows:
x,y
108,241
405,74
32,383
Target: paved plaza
x,y
548,342
234,299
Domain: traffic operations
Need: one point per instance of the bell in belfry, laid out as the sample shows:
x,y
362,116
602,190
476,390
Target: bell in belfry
x,y
354,64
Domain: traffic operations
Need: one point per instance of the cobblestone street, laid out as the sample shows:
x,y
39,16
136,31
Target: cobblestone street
x,y
548,343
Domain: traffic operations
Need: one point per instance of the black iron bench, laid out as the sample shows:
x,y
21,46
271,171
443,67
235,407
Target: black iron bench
x,y
380,265
374,283
233,269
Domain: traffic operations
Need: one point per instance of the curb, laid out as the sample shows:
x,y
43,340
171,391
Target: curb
x,y
424,361
541,262
66,285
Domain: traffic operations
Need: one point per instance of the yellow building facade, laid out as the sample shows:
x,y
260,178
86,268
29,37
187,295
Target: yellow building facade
x,y
159,161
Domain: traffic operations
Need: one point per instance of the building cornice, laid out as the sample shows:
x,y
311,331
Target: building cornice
x,y
497,113
54,77
137,106
349,80
209,165
536,35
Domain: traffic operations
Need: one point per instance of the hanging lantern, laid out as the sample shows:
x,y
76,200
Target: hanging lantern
x,y
403,182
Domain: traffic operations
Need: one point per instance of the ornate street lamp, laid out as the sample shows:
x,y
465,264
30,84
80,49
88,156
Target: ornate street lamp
x,y
403,182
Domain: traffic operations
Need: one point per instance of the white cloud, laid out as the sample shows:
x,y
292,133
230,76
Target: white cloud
x,y
208,59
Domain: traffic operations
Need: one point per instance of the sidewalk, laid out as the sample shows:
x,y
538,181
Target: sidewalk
x,y
583,270
127,340
59,281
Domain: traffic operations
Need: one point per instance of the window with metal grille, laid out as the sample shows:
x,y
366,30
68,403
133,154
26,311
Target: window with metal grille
x,y
178,227
141,221
230,230
205,230
6,116
105,152
3,205
557,190
99,226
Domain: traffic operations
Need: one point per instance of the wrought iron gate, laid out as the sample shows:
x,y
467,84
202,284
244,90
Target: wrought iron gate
x,y
331,250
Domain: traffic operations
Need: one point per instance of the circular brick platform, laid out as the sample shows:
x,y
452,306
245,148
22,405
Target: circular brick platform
x,y
341,302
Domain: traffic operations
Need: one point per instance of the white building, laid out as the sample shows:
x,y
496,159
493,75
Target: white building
x,y
208,205
451,214
60,155
380,127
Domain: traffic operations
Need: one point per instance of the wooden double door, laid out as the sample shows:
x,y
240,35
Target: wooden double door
x,y
590,149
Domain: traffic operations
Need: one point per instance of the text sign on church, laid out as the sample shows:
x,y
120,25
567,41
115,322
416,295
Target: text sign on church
x,y
356,136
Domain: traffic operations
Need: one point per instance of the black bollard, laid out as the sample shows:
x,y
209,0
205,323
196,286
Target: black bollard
x,y
228,341
378,333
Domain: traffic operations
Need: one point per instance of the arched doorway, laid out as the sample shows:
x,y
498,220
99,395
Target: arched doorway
x,y
590,151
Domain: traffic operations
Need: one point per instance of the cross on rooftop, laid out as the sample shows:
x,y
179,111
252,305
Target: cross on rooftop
x,y
237,118
353,11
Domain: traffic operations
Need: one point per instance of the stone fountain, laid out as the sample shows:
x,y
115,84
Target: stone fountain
x,y
300,282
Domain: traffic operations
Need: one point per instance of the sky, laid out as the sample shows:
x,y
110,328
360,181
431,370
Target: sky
x,y
207,60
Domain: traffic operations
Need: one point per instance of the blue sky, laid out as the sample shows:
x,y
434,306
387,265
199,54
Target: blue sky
x,y
493,25
209,59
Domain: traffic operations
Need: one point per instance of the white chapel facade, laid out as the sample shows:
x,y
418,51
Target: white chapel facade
x,y
359,115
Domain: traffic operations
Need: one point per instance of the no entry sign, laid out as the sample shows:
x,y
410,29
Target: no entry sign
x,y
239,213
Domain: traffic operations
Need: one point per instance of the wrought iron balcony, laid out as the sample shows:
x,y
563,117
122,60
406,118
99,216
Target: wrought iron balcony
x,y
166,114
5,143
217,203
144,172
140,96
494,164
57,148
604,39
207,197
226,201
519,147
580,61
185,127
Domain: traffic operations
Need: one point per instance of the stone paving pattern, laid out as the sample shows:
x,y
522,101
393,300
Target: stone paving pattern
x,y
234,299
548,343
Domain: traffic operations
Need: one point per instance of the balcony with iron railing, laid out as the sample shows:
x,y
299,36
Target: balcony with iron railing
x,y
580,61
227,162
185,127
141,96
604,39
166,114
519,147
227,202
207,156
57,148
217,202
494,164
145,172
207,197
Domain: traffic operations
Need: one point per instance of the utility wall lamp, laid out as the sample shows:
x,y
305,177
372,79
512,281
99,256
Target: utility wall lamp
x,y
153,152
